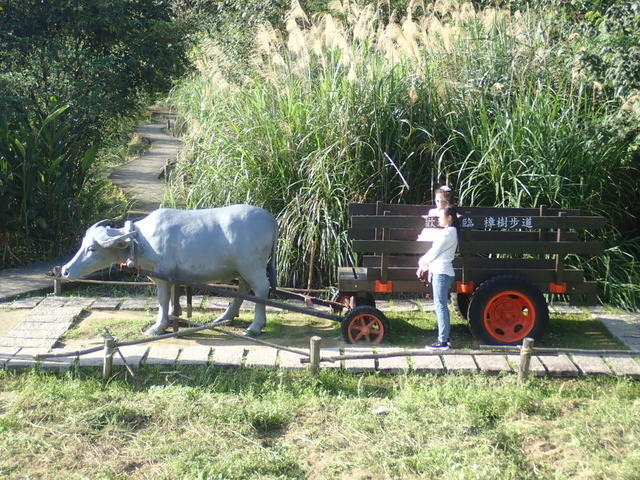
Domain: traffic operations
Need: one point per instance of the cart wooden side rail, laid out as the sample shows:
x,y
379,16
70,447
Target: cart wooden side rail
x,y
528,244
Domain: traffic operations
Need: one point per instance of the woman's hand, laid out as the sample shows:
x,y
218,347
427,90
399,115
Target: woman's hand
x,y
423,275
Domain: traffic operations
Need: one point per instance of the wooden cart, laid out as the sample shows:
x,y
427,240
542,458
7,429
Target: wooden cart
x,y
508,258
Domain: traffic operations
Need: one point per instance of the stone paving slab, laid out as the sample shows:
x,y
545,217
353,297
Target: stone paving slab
x,y
196,355
624,365
93,359
43,343
403,306
45,314
82,302
261,357
22,303
591,364
6,353
52,302
425,305
134,303
291,360
330,352
492,364
61,364
535,365
51,331
565,309
626,327
355,365
459,363
162,355
228,355
133,353
427,363
559,365
215,303
392,364
24,358
196,302
106,303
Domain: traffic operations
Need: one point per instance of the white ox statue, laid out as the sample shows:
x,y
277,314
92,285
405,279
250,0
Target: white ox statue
x,y
217,244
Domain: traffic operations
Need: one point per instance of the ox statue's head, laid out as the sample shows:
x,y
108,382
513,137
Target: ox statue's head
x,y
101,246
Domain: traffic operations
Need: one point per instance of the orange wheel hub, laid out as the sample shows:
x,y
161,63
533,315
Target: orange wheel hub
x,y
509,316
365,328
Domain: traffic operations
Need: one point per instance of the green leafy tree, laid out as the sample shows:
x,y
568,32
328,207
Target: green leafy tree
x,y
69,70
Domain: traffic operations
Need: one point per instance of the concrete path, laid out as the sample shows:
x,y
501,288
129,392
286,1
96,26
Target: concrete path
x,y
19,281
141,179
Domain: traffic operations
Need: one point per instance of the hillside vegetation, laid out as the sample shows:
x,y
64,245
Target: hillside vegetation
x,y
73,76
515,105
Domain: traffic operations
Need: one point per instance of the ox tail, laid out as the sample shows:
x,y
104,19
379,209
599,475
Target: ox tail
x,y
272,273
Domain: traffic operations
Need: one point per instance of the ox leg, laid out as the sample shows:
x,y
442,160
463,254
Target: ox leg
x,y
176,311
260,285
162,320
233,310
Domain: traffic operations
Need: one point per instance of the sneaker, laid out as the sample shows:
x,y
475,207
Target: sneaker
x,y
439,346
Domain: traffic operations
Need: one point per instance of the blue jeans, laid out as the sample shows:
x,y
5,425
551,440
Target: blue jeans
x,y
441,285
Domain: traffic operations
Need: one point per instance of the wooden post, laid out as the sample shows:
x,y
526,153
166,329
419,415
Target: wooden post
x,y
57,282
466,260
525,360
314,345
543,212
559,256
189,302
384,259
109,350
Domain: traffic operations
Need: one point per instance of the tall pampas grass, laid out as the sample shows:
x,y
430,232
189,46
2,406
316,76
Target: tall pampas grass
x,y
345,107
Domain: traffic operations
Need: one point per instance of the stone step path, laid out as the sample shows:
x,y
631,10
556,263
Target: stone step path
x,y
42,327
140,179
239,356
49,317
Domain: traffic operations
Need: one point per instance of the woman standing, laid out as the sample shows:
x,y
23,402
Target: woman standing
x,y
436,266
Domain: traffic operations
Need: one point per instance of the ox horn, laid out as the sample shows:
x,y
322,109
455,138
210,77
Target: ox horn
x,y
101,223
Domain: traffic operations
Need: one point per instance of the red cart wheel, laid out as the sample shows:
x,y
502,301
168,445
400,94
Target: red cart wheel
x,y
506,309
344,299
365,325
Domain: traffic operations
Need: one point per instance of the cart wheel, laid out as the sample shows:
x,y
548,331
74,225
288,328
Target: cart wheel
x,y
463,300
343,299
505,309
364,325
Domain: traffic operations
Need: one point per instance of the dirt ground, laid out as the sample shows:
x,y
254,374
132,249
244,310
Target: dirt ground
x,y
285,329
9,319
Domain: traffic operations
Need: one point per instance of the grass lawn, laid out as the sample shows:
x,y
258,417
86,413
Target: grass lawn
x,y
211,423
411,329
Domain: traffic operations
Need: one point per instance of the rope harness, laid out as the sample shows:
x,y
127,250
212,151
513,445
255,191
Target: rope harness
x,y
131,262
